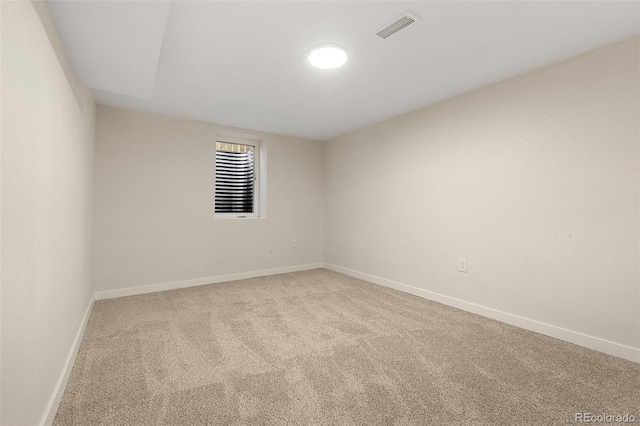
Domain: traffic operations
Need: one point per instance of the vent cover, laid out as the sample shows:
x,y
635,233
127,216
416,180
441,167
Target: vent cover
x,y
397,24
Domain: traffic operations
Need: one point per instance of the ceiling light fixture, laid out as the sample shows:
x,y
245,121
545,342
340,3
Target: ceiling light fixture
x,y
328,56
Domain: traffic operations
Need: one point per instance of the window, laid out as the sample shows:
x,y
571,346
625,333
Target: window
x,y
236,177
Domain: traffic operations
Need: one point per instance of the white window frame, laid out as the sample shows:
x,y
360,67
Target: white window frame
x,y
256,184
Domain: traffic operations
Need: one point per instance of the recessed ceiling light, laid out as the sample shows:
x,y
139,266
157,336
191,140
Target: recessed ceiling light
x,y
328,56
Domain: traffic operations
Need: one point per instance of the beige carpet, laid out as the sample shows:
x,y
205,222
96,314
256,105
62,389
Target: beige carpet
x,y
321,348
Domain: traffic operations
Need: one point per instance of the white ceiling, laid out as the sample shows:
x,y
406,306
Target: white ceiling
x,y
244,64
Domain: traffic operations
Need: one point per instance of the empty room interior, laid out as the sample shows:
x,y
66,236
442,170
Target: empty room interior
x,y
320,213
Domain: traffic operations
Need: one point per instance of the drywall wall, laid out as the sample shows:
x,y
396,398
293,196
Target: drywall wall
x,y
154,205
535,181
46,191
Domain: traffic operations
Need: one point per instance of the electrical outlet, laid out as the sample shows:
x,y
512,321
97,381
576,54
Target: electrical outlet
x,y
462,264
294,243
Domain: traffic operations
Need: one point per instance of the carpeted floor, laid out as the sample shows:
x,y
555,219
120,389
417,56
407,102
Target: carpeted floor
x,y
321,348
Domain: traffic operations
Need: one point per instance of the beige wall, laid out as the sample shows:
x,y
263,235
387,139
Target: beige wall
x,y
534,180
46,191
154,220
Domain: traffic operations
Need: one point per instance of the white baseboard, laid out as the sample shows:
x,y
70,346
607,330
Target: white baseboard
x,y
595,343
54,402
152,288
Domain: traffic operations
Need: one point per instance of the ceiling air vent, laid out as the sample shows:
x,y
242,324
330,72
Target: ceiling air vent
x,y
397,24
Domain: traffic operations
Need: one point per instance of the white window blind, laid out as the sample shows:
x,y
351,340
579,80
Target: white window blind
x,y
235,178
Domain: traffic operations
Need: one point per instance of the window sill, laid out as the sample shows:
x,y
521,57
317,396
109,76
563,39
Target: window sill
x,y
225,217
